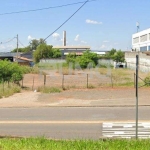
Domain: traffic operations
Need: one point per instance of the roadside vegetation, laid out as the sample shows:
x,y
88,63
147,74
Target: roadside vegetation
x,y
45,89
115,55
7,90
10,76
45,51
45,144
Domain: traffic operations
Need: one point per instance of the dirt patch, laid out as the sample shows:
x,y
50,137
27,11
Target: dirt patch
x,y
83,97
96,97
24,99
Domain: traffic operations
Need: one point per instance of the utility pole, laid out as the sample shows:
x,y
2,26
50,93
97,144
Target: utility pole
x,y
137,68
17,48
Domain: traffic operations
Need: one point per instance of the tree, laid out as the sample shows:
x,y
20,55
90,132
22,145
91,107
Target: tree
x,y
42,51
88,58
32,46
119,56
56,53
24,50
71,58
111,53
10,71
35,43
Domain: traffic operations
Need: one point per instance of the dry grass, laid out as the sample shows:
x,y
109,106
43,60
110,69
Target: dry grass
x,y
8,90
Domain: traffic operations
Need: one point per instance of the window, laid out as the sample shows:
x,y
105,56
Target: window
x,y
143,38
144,48
136,40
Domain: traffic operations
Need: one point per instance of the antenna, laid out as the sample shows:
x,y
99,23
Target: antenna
x,y
138,26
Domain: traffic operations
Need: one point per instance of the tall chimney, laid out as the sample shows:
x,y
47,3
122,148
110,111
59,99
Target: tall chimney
x,y
64,38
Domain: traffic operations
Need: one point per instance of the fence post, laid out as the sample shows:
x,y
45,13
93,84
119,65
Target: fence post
x,y
44,79
63,82
33,84
87,81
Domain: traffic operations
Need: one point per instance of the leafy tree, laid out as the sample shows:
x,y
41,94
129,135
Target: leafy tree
x,y
42,51
71,58
110,54
119,56
35,43
88,58
25,49
32,46
10,71
56,53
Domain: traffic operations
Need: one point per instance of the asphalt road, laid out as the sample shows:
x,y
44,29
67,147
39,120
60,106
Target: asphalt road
x,y
65,122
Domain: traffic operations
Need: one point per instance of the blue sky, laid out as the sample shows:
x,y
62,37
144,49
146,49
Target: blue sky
x,y
101,24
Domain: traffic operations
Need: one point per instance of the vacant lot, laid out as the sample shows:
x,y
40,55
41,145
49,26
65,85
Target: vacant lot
x,y
74,79
103,90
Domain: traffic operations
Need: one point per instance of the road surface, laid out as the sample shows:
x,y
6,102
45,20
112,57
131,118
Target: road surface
x,y
66,122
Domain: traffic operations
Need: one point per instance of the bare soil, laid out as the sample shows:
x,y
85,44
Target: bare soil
x,y
76,94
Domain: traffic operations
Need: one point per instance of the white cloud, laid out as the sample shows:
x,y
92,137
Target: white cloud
x,y
106,41
77,37
56,36
30,38
93,22
116,43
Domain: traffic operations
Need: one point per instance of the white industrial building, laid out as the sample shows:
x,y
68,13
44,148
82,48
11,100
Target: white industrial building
x,y
141,47
141,41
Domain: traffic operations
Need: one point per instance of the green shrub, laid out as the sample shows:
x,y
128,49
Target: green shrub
x,y
87,60
147,81
10,71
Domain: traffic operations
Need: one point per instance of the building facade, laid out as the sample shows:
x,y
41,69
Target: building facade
x,y
141,41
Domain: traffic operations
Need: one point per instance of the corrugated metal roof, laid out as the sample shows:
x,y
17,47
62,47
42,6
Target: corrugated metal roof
x,y
6,54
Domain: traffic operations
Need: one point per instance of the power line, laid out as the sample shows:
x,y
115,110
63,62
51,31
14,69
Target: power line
x,y
66,20
7,41
21,43
40,9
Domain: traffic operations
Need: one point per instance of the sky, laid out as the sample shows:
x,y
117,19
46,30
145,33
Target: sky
x,y
100,24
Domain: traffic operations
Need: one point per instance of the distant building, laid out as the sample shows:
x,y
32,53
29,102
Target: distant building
x,y
101,52
141,41
8,56
21,58
78,50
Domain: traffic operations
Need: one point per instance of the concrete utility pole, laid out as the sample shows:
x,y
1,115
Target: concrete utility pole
x,y
17,48
137,68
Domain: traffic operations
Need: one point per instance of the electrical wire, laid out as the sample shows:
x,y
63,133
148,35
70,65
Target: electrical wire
x,y
21,43
66,20
40,9
7,41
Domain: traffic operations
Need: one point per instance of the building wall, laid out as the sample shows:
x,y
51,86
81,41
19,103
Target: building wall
x,y
141,40
144,61
52,61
